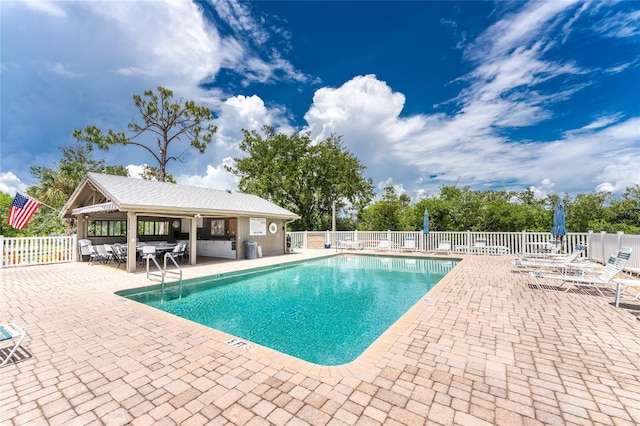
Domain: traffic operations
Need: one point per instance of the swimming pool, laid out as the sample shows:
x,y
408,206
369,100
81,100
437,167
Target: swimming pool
x,y
326,311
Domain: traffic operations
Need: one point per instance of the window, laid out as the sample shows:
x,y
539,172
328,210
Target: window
x,y
107,228
153,227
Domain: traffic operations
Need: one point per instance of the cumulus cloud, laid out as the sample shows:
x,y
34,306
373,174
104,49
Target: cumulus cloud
x,y
543,189
10,183
216,177
249,113
469,145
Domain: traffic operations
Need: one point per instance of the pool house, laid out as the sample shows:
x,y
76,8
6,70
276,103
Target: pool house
x,y
212,223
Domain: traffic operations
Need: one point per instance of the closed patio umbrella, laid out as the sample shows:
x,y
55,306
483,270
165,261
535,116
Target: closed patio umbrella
x,y
425,222
559,229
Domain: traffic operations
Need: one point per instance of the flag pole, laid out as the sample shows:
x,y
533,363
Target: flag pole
x,y
43,204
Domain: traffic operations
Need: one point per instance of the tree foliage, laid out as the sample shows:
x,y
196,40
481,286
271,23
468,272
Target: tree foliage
x,y
462,209
163,119
306,178
56,184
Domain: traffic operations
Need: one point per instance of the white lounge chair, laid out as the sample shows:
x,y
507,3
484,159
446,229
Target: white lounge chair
x,y
444,246
614,266
383,244
479,246
560,262
621,285
409,244
11,332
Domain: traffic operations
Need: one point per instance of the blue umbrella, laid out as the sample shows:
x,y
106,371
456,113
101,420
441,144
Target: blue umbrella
x,y
425,223
558,220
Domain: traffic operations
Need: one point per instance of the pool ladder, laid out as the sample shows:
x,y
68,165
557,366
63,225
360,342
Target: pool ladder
x,y
163,272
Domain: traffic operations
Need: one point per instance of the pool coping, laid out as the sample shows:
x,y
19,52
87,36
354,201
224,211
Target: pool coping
x,y
271,357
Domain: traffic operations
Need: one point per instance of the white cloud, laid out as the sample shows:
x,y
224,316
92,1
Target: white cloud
x,y
602,122
249,113
620,25
51,8
10,184
518,29
216,177
135,171
183,49
63,71
543,189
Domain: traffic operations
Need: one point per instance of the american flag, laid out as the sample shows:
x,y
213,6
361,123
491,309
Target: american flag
x,y
21,211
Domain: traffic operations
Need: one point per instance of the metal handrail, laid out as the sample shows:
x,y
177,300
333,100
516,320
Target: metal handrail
x,y
177,273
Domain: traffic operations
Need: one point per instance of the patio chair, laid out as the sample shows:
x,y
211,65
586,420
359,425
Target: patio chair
x,y
177,252
11,332
103,255
94,256
604,278
409,244
109,256
84,248
383,245
148,253
444,246
560,262
119,254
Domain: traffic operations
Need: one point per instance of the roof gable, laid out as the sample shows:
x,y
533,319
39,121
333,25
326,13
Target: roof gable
x,y
140,195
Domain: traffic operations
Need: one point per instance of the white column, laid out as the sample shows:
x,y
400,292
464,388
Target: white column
x,y
132,234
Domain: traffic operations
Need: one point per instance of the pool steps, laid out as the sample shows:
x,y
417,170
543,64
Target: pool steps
x,y
162,273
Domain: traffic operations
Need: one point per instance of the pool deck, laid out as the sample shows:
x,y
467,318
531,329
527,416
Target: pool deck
x,y
486,348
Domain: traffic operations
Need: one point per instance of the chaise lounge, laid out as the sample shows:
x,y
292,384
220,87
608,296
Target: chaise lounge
x,y
11,332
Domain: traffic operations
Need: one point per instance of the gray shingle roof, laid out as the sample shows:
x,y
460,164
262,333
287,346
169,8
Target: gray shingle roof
x,y
143,195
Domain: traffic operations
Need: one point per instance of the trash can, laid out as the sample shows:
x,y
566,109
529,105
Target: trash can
x,y
251,249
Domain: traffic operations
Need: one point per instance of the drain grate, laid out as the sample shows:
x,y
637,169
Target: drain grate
x,y
427,301
240,344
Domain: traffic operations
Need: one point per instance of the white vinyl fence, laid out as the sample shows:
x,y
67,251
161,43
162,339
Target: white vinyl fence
x,y
37,250
599,245
41,250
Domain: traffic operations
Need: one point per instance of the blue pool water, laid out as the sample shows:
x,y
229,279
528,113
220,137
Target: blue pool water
x,y
326,311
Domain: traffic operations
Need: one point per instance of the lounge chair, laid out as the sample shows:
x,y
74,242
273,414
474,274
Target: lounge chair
x,y
559,262
480,246
621,285
349,245
11,332
383,244
409,244
614,266
444,246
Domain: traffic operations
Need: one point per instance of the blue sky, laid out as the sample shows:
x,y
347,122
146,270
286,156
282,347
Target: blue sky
x,y
491,95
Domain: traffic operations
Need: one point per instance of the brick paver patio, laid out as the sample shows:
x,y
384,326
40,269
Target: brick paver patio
x,y
488,349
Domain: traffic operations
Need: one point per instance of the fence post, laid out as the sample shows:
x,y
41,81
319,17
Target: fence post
x,y
75,247
619,234
602,244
